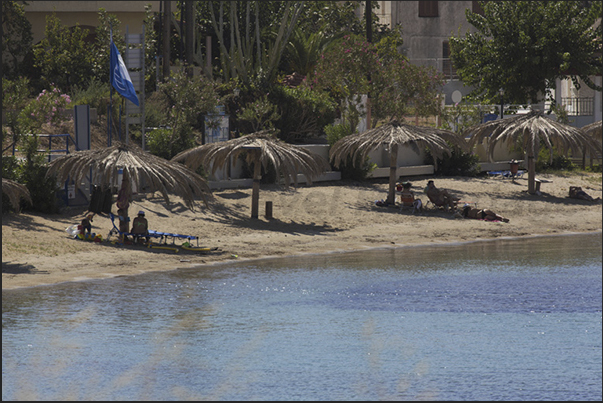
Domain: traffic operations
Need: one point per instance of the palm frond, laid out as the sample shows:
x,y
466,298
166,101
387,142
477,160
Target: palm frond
x,y
15,192
594,130
143,168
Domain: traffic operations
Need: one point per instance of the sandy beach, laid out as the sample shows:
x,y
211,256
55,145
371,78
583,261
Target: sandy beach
x,y
319,218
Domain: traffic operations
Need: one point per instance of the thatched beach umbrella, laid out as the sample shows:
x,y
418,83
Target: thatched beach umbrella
x,y
529,131
15,192
594,130
393,135
140,167
262,148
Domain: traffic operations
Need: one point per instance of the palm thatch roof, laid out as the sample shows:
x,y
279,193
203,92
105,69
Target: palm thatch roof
x,y
392,135
395,133
594,130
143,168
262,149
287,159
15,192
529,131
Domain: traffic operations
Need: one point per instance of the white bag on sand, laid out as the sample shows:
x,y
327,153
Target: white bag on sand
x,y
72,230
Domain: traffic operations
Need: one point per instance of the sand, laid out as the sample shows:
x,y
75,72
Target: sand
x,y
319,218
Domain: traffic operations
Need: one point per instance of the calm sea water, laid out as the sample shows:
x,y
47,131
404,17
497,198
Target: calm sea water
x,y
494,320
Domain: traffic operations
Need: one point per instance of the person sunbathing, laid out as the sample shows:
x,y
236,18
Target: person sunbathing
x,y
440,197
576,192
482,214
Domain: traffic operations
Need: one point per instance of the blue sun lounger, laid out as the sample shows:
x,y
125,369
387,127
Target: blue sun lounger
x,y
165,235
504,174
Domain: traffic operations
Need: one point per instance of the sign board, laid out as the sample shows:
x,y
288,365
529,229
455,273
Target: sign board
x,y
216,128
71,191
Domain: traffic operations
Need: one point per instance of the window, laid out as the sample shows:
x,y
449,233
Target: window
x,y
476,8
428,9
447,67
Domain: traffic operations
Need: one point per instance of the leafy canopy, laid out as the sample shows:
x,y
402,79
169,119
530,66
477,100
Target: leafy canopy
x,y
16,38
63,56
524,46
356,67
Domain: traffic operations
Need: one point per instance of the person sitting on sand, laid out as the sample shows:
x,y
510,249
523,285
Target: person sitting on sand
x,y
576,192
440,197
140,227
86,225
407,197
482,214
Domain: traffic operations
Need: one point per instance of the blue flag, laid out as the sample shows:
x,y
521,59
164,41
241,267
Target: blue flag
x,y
120,78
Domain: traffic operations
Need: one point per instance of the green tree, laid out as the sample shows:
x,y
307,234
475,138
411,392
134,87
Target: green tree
x,y
16,38
334,18
356,67
260,114
343,70
15,96
303,112
101,49
63,56
304,50
524,46
186,102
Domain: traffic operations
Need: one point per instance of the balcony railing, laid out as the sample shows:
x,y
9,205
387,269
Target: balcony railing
x,y
441,64
579,106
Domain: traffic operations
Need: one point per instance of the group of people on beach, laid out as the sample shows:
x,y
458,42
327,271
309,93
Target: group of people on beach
x,y
140,225
439,197
443,198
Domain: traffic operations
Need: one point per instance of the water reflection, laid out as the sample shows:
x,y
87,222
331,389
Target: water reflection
x,y
503,320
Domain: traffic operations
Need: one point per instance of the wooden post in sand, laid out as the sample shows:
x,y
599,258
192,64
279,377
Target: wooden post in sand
x,y
255,190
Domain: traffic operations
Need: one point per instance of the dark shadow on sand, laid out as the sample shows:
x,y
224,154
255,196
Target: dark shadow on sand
x,y
21,268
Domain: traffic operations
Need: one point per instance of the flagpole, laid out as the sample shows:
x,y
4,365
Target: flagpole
x,y
119,128
109,115
120,81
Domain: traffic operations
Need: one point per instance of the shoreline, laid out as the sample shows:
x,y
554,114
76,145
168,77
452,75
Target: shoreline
x,y
309,220
310,254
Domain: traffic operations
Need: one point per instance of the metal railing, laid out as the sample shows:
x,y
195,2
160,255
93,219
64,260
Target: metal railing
x,y
50,150
441,64
579,106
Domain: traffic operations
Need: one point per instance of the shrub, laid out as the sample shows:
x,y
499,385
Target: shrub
x,y
303,112
350,169
96,95
32,173
48,107
457,163
161,142
558,162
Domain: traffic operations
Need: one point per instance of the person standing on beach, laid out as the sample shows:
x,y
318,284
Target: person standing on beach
x,y
123,203
86,225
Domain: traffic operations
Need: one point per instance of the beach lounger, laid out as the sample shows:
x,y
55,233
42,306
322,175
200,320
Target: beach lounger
x,y
166,235
504,174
